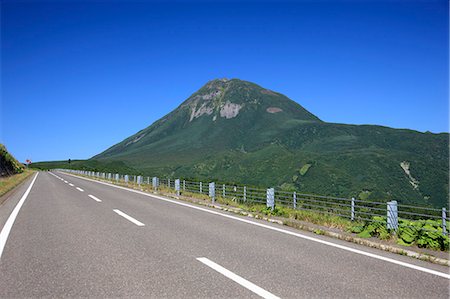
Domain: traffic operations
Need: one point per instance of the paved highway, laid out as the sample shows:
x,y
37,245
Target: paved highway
x,y
77,238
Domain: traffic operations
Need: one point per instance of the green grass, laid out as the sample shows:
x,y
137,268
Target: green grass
x,y
10,182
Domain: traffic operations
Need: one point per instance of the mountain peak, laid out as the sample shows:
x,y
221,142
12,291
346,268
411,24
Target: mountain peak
x,y
227,98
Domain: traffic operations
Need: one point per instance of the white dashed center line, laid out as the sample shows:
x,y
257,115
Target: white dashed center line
x,y
129,218
79,189
94,198
236,278
70,184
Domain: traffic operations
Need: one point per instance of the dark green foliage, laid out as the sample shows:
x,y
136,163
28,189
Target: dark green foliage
x,y
423,233
8,164
273,149
377,228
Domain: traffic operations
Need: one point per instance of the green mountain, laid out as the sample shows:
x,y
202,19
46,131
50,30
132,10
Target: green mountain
x,y
237,131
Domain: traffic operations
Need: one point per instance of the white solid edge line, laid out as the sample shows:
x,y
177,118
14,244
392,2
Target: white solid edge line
x,y
9,223
71,184
129,218
236,278
95,198
357,251
79,189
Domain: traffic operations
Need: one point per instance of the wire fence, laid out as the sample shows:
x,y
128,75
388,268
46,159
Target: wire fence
x,y
390,213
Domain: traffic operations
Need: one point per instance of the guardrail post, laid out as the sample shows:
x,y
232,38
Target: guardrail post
x,y
126,179
177,186
184,185
245,194
200,187
353,208
444,224
392,215
168,183
270,201
155,183
212,191
223,191
295,200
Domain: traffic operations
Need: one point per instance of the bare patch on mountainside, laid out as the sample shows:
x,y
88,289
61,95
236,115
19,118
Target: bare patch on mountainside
x,y
269,92
274,109
405,166
136,139
211,95
204,109
230,110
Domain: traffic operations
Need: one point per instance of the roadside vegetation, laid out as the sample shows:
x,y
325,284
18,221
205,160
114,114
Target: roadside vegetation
x,y
7,183
8,164
12,172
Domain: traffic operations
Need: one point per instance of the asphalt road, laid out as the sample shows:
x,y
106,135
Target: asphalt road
x,y
86,239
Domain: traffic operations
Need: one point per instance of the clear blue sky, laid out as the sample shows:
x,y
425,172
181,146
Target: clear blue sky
x,y
78,77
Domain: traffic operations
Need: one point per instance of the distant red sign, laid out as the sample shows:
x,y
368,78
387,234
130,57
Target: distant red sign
x,y
28,161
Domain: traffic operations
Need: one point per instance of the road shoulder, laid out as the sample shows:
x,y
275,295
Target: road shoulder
x,y
9,200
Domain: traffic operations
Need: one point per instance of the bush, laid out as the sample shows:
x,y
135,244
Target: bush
x,y
423,233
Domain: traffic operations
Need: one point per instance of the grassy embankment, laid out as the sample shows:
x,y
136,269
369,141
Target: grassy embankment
x,y
10,182
12,172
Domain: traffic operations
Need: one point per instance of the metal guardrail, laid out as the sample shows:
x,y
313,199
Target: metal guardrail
x,y
350,208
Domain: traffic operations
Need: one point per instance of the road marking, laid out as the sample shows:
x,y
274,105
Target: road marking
x,y
9,223
328,243
236,278
129,218
94,198
70,184
66,182
79,189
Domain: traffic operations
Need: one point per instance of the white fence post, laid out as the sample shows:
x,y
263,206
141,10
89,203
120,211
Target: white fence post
x,y
245,194
392,215
295,200
212,191
155,183
444,224
200,187
270,201
223,191
184,185
353,208
177,186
